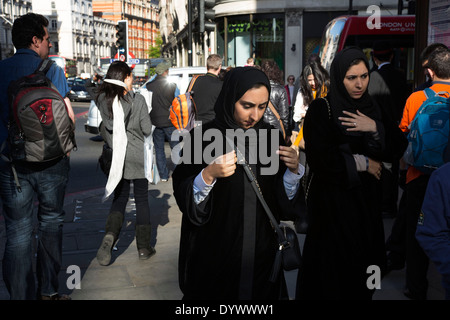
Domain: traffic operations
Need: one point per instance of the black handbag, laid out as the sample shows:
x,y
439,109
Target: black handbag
x,y
288,255
105,159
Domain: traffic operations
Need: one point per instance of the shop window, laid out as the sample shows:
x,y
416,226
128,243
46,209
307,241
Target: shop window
x,y
238,41
269,39
258,36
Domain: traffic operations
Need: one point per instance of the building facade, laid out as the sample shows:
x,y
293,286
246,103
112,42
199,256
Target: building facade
x,y
85,30
9,10
142,17
76,33
287,31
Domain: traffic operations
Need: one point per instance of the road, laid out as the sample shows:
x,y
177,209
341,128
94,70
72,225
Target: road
x,y
84,172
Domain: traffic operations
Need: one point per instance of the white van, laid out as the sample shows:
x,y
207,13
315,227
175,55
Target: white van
x,y
181,76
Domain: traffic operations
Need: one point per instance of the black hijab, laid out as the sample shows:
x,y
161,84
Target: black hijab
x,y
339,98
236,83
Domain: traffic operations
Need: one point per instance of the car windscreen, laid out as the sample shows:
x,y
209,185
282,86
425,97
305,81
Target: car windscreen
x,y
78,88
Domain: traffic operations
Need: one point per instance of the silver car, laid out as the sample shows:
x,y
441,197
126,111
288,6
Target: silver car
x,y
94,119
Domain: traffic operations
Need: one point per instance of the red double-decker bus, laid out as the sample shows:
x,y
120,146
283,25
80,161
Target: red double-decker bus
x,y
68,65
363,31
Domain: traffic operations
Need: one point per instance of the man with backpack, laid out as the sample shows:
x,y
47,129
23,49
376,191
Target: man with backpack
x,y
21,180
438,67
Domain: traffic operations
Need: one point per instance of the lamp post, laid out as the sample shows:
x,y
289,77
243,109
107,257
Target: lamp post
x,y
189,32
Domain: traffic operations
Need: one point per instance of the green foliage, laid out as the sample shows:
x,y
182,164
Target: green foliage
x,y
151,72
155,51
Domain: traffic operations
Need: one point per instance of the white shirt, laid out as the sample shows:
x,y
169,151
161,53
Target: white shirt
x,y
299,108
291,183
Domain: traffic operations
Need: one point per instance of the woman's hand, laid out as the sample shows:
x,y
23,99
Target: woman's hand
x,y
222,167
375,168
358,122
290,157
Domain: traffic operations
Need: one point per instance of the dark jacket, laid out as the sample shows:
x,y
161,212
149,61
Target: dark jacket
x,y
389,87
206,90
279,99
433,229
163,95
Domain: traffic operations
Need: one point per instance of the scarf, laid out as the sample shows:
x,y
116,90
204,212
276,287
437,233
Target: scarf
x,y
338,96
120,142
236,83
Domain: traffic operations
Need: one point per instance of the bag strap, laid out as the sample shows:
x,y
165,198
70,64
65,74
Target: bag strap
x,y
257,189
275,112
44,66
283,243
191,84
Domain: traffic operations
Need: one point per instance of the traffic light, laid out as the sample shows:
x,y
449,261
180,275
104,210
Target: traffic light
x,y
206,15
122,40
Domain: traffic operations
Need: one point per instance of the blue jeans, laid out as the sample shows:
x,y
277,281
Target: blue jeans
x,y
49,185
160,135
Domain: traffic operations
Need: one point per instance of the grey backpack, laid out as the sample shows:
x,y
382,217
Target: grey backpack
x,y
40,128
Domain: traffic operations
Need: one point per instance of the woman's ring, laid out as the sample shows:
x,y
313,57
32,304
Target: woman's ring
x,y
355,124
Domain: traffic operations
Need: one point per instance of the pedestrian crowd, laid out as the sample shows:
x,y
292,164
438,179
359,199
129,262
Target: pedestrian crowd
x,y
327,151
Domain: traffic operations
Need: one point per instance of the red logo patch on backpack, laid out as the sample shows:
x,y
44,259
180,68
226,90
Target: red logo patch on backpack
x,y
40,128
183,111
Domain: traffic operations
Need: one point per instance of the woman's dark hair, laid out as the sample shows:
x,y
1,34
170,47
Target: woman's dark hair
x,y
118,70
272,71
26,27
321,77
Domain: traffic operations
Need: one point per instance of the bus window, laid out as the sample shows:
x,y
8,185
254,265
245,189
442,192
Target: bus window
x,y
347,31
330,41
68,65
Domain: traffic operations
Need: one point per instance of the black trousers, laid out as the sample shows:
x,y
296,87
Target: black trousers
x,y
416,260
389,183
140,190
395,244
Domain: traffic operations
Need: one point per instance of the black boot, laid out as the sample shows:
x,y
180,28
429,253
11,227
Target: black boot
x,y
112,229
143,236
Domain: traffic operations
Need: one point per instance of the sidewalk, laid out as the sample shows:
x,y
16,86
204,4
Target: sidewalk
x,y
127,277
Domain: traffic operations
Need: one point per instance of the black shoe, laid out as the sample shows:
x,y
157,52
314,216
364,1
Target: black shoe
x,y
104,252
412,296
392,264
145,253
55,297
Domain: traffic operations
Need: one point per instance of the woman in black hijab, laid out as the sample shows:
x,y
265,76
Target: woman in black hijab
x,y
227,246
344,142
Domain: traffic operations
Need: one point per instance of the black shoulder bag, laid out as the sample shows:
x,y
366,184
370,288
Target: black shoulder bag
x,y
105,159
288,254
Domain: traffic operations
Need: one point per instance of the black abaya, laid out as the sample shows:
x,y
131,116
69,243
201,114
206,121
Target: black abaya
x,y
228,246
345,233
